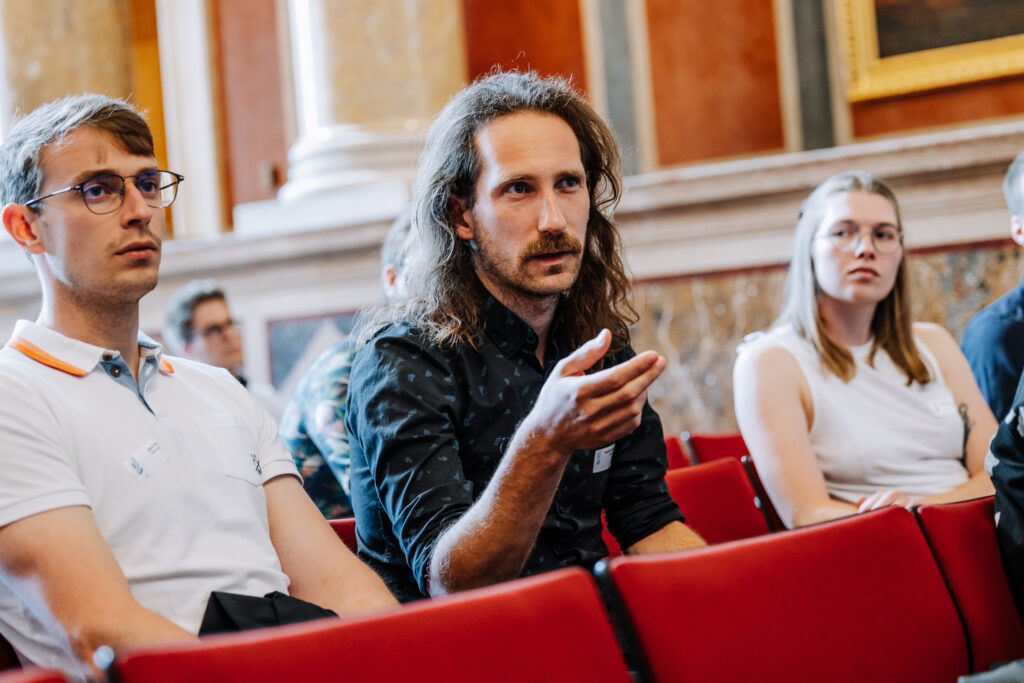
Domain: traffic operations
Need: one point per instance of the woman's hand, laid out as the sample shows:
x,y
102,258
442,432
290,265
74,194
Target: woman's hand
x,y
883,499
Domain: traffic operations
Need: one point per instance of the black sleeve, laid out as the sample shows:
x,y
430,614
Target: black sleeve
x,y
985,347
402,409
1005,465
636,500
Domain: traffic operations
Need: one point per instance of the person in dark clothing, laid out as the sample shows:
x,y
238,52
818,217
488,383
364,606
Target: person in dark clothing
x,y
497,407
993,340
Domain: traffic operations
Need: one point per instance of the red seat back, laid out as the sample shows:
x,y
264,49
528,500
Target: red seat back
x,y
345,527
705,447
858,599
551,627
717,500
676,455
32,675
963,538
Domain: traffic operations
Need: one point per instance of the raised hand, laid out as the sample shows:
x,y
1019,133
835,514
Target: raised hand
x,y
576,411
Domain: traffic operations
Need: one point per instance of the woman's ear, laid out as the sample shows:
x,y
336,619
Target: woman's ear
x,y
18,223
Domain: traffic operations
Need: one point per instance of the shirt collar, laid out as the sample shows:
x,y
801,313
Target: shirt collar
x,y
509,332
53,349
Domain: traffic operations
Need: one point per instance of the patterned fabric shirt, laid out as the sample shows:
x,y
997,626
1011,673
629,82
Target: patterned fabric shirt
x,y
313,429
428,427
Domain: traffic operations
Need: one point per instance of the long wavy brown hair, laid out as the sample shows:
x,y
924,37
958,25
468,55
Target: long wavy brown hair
x,y
891,325
443,296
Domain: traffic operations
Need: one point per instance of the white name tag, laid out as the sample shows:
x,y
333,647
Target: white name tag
x,y
147,461
603,458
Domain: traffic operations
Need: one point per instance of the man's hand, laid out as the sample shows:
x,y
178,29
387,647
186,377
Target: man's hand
x,y
62,554
576,411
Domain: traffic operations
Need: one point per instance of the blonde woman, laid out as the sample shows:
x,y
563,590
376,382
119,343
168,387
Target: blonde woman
x,y
846,405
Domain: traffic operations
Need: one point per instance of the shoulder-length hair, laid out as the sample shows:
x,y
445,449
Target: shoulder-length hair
x,y
891,325
443,296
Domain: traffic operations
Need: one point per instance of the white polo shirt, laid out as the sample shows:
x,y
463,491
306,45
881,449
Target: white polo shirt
x,y
172,469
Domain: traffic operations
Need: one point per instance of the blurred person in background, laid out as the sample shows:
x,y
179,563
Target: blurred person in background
x,y
199,325
313,424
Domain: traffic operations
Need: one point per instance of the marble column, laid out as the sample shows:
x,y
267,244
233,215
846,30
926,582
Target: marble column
x,y
368,75
52,48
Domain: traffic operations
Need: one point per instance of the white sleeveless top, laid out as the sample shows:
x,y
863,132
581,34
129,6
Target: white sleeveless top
x,y
874,432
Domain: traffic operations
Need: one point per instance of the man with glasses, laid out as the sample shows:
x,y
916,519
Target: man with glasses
x,y
135,488
199,325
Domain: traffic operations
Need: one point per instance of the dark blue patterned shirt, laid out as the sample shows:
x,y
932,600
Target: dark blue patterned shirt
x,y
427,428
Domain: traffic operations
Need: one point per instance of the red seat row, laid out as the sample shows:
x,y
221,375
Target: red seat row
x,y
862,598
880,596
717,500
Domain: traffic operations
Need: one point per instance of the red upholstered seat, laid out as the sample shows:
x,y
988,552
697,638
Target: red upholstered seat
x,y
551,627
963,538
858,599
717,500
676,455
707,446
32,675
345,527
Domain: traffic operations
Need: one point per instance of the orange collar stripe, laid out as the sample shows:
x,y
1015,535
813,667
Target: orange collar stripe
x,y
166,367
40,356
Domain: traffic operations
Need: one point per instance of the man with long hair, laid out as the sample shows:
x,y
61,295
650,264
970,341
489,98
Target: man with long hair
x,y
497,407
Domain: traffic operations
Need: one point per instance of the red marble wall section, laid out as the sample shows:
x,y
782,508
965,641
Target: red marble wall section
x,y
714,77
525,34
961,104
249,75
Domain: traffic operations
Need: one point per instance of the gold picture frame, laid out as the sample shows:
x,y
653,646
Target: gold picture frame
x,y
872,76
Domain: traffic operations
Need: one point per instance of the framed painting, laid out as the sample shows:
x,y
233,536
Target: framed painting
x,y
894,47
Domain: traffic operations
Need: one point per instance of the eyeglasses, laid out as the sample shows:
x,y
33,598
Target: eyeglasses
x,y
105,193
846,237
217,329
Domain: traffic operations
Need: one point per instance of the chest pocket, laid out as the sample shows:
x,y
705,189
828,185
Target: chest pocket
x,y
233,446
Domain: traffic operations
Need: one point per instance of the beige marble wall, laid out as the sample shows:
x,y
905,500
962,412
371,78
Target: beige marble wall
x,y
52,48
697,322
391,59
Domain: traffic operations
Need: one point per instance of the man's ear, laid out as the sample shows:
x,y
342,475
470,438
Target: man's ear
x,y
1017,229
17,222
462,218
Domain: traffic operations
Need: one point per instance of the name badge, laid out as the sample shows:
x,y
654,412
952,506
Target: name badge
x,y
603,458
147,461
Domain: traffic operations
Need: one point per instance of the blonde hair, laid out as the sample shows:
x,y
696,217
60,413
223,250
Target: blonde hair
x,y
891,325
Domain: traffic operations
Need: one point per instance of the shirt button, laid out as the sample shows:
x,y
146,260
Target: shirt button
x,y
108,356
115,371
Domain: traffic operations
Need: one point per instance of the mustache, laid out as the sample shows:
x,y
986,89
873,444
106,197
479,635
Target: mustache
x,y
552,244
